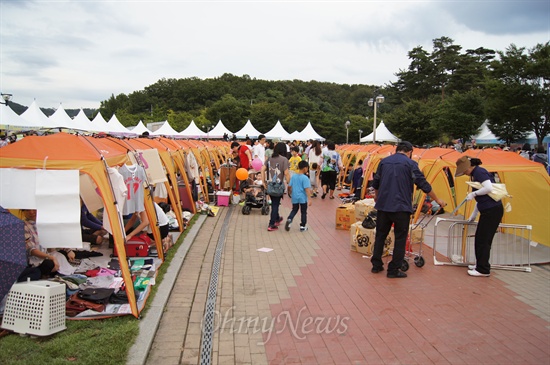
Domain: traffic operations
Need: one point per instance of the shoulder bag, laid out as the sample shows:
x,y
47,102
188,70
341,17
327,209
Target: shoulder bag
x,y
275,188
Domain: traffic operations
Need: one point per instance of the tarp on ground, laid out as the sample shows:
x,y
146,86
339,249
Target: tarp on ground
x,y
382,135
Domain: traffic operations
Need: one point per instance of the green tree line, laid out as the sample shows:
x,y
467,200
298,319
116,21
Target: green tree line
x,y
444,94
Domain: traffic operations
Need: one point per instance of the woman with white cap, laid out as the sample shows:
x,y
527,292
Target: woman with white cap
x,y
490,211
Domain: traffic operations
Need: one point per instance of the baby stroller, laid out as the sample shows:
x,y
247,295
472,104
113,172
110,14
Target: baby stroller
x,y
253,200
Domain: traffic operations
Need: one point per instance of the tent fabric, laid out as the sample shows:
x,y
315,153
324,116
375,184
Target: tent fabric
x,y
140,129
192,131
60,118
10,119
82,122
279,132
309,133
115,127
485,136
100,124
89,155
34,115
248,130
382,135
219,130
165,130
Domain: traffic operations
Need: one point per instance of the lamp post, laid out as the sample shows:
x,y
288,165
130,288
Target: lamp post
x,y
360,133
374,102
347,130
6,98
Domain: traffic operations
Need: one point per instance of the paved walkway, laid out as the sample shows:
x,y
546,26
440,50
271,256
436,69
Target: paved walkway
x,y
313,301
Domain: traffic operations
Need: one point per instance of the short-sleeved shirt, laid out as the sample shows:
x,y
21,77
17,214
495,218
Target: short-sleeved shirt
x,y
276,165
394,181
293,164
484,202
331,160
243,158
299,184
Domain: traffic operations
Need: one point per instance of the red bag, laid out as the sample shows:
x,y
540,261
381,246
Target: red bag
x,y
137,246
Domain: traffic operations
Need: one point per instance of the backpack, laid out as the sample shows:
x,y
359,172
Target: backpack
x,y
275,188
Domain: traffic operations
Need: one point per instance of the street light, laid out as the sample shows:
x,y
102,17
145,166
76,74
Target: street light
x,y
6,98
374,102
347,130
360,133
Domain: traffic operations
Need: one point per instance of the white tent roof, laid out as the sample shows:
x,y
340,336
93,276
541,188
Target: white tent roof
x,y
9,119
140,129
294,136
82,122
35,116
115,127
219,130
165,130
60,118
382,135
99,124
278,132
486,136
192,131
247,130
309,133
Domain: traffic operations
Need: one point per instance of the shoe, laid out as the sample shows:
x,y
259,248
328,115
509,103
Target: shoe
x,y
272,228
331,197
396,275
303,229
471,267
314,195
477,273
323,196
288,224
278,223
376,270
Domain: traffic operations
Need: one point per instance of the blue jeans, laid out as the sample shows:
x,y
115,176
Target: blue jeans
x,y
303,212
275,203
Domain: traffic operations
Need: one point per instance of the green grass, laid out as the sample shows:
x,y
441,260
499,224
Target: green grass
x,y
102,341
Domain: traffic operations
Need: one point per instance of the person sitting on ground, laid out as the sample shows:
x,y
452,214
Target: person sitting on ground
x,y
92,228
40,263
143,222
163,221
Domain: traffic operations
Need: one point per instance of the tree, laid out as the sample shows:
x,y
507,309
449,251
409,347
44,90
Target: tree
x,y
460,115
412,121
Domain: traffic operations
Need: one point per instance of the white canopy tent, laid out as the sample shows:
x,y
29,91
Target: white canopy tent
x,y
248,130
61,118
34,115
165,130
309,133
294,136
278,132
81,122
485,136
192,131
116,128
100,124
219,130
140,129
10,120
382,135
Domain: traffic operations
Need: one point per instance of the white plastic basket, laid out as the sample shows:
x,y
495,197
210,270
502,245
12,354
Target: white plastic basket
x,y
35,308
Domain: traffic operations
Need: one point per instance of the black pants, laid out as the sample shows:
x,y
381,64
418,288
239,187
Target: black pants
x,y
384,221
303,213
36,273
164,230
485,232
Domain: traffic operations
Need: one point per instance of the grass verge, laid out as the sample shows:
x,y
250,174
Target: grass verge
x,y
102,341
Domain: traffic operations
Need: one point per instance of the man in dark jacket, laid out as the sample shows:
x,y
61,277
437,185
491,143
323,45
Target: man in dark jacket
x,y
393,186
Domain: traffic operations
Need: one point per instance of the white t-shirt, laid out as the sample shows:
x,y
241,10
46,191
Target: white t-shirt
x,y
161,216
259,152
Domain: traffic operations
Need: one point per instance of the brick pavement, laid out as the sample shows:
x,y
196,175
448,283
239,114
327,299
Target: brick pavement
x,y
312,301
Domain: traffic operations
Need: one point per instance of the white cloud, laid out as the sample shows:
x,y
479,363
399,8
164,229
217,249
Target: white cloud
x,y
80,53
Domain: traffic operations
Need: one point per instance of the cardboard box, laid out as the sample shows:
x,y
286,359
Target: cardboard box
x,y
362,208
362,240
345,216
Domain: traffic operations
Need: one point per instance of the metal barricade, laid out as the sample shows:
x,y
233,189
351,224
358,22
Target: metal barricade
x,y
511,248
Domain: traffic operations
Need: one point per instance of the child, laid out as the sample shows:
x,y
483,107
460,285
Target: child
x,y
299,189
356,180
294,160
313,172
253,185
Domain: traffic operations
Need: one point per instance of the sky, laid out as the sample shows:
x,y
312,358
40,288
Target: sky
x,y
79,53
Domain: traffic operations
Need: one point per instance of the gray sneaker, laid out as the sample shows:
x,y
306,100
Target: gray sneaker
x,y
303,229
288,224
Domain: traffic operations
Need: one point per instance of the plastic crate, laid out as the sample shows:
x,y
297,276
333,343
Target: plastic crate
x,y
35,308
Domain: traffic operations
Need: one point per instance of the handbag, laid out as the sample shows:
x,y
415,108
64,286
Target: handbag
x,y
96,295
275,188
370,220
498,191
76,305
